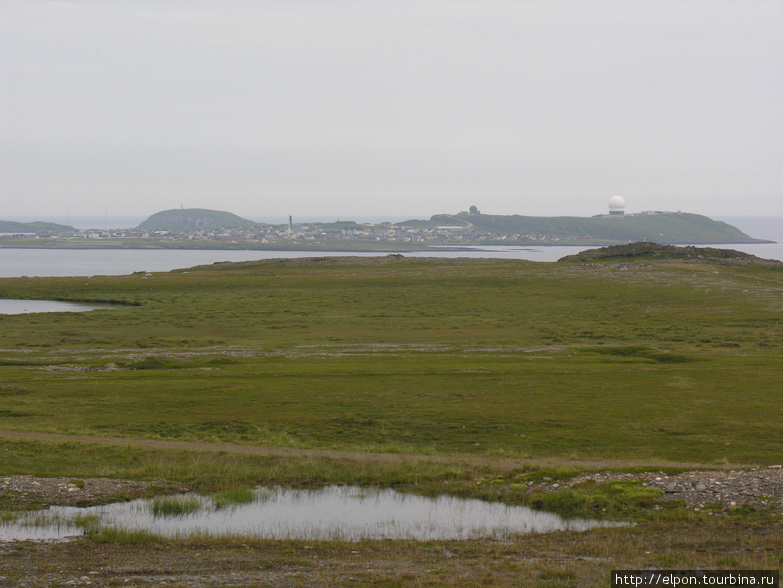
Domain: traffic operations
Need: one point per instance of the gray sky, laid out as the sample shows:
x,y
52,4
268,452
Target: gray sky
x,y
406,108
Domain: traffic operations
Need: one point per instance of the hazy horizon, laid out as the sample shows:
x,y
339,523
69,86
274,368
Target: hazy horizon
x,y
759,227
345,109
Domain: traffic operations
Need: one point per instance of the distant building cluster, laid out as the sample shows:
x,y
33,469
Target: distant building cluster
x,y
346,231
318,233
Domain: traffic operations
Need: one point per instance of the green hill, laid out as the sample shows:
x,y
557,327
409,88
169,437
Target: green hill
x,y
668,227
33,227
194,219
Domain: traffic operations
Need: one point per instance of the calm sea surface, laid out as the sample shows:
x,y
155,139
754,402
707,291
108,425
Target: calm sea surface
x,y
91,262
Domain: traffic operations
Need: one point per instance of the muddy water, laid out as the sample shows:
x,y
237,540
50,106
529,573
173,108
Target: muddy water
x,y
335,512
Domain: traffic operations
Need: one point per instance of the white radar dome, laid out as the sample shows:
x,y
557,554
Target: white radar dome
x,y
616,203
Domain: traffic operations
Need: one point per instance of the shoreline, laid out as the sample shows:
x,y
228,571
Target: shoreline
x,y
335,248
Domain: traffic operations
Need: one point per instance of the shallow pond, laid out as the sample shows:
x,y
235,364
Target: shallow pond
x,y
335,512
12,306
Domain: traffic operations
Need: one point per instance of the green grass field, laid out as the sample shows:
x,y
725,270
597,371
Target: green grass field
x,y
659,362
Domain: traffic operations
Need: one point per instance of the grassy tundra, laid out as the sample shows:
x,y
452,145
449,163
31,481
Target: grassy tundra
x,y
479,372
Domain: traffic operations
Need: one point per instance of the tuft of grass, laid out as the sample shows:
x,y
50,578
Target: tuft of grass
x,y
175,506
87,522
9,516
233,497
122,536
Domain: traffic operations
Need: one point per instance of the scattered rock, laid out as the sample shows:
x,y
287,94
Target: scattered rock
x,y
760,488
30,490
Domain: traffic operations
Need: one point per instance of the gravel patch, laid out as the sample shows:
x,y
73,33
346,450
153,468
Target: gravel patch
x,y
757,487
35,491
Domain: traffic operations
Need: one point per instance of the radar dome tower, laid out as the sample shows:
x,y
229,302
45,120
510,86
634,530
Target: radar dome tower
x,y
616,206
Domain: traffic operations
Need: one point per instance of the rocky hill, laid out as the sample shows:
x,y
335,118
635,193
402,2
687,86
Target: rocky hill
x,y
194,219
654,251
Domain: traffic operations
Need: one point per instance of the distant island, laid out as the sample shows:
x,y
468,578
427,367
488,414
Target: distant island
x,y
198,228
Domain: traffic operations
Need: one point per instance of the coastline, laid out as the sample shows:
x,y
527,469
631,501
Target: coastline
x,y
387,247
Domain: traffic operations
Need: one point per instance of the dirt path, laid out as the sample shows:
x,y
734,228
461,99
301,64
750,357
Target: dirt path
x,y
358,456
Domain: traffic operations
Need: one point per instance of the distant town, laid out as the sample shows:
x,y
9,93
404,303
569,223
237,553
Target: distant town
x,y
315,232
203,228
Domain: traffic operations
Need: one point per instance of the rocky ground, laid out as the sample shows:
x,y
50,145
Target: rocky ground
x,y
31,491
757,487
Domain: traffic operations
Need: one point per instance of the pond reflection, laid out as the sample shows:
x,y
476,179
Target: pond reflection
x,y
344,513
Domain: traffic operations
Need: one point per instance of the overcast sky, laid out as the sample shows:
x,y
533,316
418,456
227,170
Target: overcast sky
x,y
405,108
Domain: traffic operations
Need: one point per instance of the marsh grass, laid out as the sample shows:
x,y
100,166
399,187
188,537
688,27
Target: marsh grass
x,y
88,523
123,536
9,516
38,519
175,506
235,496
